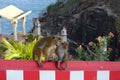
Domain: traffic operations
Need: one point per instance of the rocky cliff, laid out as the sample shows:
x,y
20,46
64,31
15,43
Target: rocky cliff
x,y
84,21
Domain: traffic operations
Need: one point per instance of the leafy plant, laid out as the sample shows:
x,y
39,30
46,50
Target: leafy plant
x,y
30,38
53,7
100,48
18,50
28,49
13,48
82,54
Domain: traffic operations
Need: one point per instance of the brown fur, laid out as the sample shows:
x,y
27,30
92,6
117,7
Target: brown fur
x,y
44,47
64,58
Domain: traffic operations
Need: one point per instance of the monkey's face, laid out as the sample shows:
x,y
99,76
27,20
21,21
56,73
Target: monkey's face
x,y
58,43
58,40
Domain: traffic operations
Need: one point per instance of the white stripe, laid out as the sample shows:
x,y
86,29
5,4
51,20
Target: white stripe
x,y
14,74
76,75
103,75
47,75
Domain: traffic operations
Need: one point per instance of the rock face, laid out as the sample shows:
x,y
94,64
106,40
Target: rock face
x,y
83,26
91,23
95,22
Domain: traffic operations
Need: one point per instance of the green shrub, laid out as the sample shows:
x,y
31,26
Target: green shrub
x,y
18,50
101,48
82,53
53,7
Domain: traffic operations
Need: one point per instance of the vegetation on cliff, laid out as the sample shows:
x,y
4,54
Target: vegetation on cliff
x,y
85,20
93,28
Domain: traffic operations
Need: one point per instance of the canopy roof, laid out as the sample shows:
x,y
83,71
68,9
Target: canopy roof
x,y
10,12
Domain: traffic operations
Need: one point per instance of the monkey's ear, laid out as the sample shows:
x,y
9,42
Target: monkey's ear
x,y
57,37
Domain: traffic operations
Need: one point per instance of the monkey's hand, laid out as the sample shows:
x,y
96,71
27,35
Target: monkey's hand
x,y
65,68
59,68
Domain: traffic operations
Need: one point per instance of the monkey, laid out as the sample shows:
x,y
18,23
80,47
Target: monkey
x,y
62,53
44,46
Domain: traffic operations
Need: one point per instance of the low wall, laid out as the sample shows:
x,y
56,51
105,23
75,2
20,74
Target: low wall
x,y
77,70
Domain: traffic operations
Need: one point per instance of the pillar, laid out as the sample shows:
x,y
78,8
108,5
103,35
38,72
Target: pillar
x,y
23,25
0,26
38,26
64,34
14,23
38,30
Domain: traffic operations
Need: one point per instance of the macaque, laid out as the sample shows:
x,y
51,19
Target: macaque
x,y
62,53
44,47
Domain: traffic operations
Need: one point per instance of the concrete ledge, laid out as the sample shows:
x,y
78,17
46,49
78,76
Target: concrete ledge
x,y
77,70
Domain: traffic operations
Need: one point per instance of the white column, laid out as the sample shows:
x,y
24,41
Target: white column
x,y
39,29
64,34
14,23
23,25
38,26
0,26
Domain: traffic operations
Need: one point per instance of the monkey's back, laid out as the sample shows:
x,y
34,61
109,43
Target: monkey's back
x,y
44,42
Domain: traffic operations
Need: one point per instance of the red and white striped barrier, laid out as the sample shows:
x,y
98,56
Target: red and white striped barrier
x,y
77,70
59,75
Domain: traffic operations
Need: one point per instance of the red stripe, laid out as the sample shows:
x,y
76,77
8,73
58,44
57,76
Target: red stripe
x,y
62,75
90,75
114,75
31,75
2,75
72,65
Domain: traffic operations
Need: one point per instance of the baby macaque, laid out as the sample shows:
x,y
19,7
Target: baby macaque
x,y
62,53
44,47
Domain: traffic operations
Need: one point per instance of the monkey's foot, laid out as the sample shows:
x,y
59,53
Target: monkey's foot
x,y
65,68
59,68
40,64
